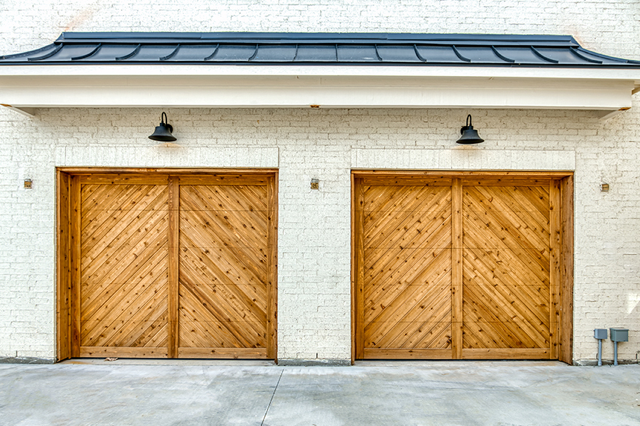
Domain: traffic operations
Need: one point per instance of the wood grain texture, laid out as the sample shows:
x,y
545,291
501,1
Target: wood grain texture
x,y
173,262
124,179
131,269
415,354
512,230
359,267
148,171
407,268
566,284
272,268
63,273
224,266
354,268
124,266
506,353
120,352
506,267
224,353
76,252
457,281
455,174
555,265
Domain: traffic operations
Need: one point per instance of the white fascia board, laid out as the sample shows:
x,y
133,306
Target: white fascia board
x,y
326,86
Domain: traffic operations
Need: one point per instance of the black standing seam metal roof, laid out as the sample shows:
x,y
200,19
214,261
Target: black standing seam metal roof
x,y
317,49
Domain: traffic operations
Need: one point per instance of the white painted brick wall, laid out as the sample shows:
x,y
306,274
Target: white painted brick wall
x,y
314,235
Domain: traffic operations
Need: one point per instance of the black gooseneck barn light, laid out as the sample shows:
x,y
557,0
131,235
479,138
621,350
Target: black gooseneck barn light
x,y
469,135
163,131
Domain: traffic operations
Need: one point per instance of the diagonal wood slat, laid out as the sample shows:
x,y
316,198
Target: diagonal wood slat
x,y
124,267
506,267
407,264
223,266
461,266
174,265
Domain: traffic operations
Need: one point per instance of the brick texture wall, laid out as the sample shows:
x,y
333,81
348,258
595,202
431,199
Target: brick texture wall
x,y
314,236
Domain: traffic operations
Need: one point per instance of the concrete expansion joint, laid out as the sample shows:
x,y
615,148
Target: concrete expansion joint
x,y
271,400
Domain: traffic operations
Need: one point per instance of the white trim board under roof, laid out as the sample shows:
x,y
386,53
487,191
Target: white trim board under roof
x,y
317,69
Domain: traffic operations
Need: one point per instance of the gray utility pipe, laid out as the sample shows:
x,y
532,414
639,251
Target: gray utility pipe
x,y
600,334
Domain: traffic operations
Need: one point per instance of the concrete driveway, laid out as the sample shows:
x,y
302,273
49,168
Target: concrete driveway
x,y
372,393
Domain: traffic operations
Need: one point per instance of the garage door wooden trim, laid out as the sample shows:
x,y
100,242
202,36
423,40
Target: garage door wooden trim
x,y
560,186
69,181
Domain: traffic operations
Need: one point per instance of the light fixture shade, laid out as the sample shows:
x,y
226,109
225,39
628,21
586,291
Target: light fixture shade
x,y
163,131
469,134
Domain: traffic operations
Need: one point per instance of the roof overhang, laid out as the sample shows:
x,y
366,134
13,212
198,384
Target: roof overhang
x,y
583,84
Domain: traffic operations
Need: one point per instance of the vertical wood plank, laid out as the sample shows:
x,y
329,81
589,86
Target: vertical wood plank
x,y
353,269
76,253
272,269
566,284
359,266
555,248
456,269
174,261
63,279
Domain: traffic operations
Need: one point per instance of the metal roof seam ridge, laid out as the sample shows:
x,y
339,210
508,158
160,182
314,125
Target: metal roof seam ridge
x,y
48,55
546,58
213,54
573,50
129,55
459,55
501,56
88,55
172,54
377,53
255,53
420,57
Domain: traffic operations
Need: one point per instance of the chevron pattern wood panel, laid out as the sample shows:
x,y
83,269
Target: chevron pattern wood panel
x,y
460,265
506,268
407,270
223,288
123,285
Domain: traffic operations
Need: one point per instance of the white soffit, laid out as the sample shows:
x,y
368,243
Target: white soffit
x,y
231,86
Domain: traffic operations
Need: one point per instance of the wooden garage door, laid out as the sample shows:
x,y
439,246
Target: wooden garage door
x,y
172,266
451,267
